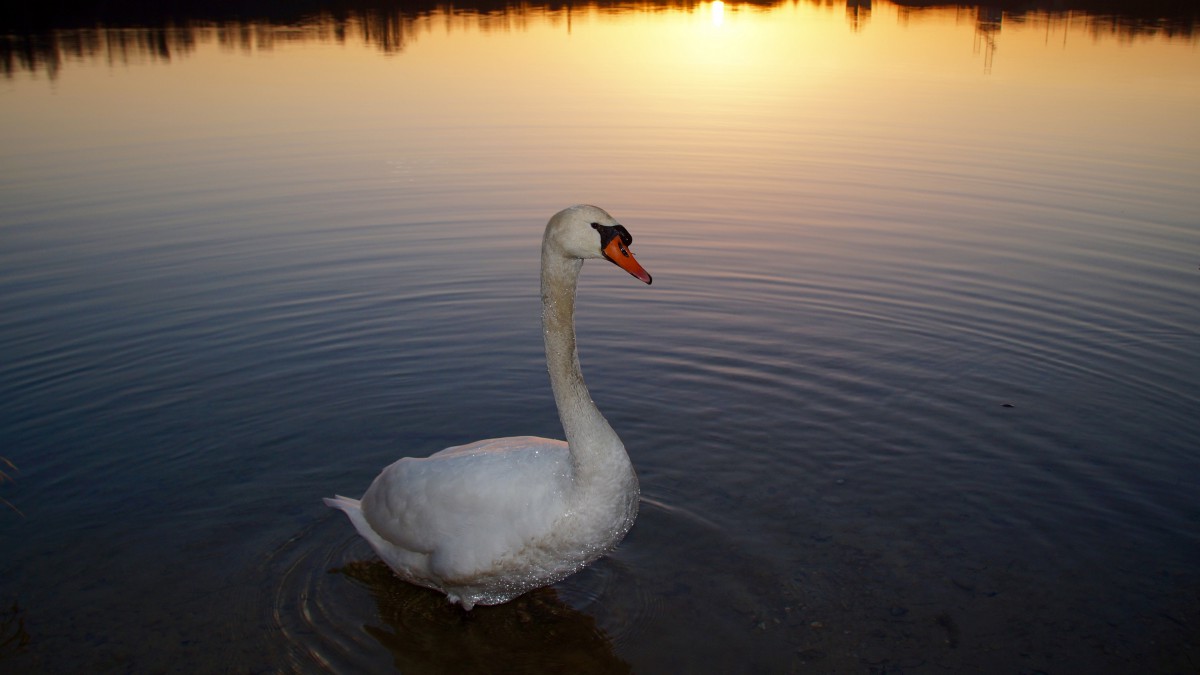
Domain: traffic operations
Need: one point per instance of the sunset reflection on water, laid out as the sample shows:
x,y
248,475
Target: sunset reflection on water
x,y
942,30
695,80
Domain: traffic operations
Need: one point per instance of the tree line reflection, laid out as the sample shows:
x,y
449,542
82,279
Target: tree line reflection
x,y
42,37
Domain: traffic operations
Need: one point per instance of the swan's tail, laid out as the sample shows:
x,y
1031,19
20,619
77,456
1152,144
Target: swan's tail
x,y
353,509
343,504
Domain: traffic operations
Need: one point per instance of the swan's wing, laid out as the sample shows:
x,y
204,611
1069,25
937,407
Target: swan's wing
x,y
468,504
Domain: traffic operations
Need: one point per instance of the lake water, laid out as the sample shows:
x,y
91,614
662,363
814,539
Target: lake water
x,y
916,388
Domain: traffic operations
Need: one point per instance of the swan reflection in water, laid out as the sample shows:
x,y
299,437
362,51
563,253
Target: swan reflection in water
x,y
535,632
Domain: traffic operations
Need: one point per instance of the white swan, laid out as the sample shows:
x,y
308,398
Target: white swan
x,y
486,522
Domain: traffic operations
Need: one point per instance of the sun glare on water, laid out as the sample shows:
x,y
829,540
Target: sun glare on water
x,y
718,13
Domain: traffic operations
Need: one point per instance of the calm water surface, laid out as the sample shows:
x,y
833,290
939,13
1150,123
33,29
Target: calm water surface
x,y
915,389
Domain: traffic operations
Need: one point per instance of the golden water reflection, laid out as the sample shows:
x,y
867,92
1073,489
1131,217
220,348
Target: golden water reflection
x,y
393,28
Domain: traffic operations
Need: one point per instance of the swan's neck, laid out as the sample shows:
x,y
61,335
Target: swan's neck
x,y
596,450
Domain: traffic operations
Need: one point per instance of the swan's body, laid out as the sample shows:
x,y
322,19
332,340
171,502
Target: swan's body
x,y
488,521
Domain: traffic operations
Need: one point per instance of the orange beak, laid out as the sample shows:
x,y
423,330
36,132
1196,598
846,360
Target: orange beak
x,y
619,254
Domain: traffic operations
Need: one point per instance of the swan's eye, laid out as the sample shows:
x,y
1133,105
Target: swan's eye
x,y
610,232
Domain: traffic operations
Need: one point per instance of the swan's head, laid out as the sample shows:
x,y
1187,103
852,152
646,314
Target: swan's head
x,y
587,232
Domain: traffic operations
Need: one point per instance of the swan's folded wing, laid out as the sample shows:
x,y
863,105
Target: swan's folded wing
x,y
475,502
